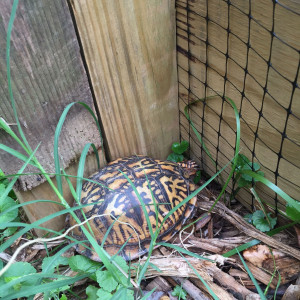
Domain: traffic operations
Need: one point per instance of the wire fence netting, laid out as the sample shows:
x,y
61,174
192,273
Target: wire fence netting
x,y
248,51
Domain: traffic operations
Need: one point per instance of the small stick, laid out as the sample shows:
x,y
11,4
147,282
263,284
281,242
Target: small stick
x,y
192,290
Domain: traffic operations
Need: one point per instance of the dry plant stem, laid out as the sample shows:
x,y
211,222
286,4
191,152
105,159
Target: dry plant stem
x,y
192,290
248,229
41,240
183,240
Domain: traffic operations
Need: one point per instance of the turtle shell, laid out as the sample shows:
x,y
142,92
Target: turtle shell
x,y
115,198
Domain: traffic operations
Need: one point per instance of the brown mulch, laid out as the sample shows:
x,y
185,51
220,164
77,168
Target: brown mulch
x,y
215,234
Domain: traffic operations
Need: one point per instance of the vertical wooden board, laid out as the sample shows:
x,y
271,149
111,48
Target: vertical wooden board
x,y
47,74
130,51
44,191
247,75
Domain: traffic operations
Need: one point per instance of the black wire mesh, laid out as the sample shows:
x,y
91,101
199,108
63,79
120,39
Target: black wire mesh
x,y
250,52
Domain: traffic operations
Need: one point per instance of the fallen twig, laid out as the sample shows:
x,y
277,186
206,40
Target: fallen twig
x,y
248,229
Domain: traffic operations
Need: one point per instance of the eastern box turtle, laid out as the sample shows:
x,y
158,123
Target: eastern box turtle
x,y
170,185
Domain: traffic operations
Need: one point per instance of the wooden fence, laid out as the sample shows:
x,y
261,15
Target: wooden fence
x,y
131,61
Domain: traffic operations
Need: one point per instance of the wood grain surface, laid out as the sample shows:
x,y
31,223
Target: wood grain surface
x,y
130,51
47,74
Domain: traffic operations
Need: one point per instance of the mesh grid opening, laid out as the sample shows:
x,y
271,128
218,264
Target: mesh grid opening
x,y
248,51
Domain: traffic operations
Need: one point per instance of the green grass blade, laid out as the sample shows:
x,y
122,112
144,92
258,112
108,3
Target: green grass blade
x,y
192,195
237,144
273,274
8,40
80,172
28,203
55,174
16,154
81,165
108,231
182,250
275,188
13,181
146,264
70,185
277,286
147,296
33,225
33,290
259,290
57,134
186,109
154,202
237,150
6,127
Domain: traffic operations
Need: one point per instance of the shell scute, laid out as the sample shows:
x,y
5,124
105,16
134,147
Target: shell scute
x,y
120,206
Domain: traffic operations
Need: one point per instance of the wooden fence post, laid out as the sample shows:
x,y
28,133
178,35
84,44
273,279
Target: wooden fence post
x,y
47,74
130,49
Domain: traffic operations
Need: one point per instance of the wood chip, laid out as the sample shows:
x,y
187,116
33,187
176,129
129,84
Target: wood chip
x,y
292,293
219,291
230,283
4,256
210,229
177,266
261,256
203,220
160,284
297,229
239,274
258,254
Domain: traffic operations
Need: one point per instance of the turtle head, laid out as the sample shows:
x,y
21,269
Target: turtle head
x,y
189,167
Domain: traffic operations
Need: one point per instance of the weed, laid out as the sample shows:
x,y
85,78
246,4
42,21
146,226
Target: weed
x,y
6,203
261,221
240,178
177,151
179,292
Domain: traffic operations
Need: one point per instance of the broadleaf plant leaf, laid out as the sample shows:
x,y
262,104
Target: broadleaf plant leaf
x,y
103,295
91,292
180,148
175,157
260,221
106,280
82,264
48,263
17,270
